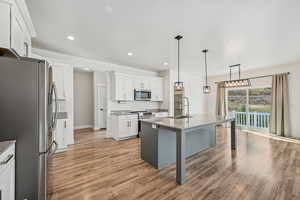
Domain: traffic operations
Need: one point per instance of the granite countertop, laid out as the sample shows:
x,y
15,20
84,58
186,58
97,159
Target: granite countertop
x,y
129,112
187,123
5,145
122,112
157,110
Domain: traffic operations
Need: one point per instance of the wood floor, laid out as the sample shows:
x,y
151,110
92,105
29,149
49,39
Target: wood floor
x,y
97,168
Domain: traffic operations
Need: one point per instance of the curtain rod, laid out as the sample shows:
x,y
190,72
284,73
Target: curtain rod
x,y
257,77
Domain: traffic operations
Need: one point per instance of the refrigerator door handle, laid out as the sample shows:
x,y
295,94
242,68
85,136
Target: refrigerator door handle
x,y
53,97
56,105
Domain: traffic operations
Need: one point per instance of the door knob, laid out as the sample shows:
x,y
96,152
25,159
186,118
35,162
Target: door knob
x,y
101,109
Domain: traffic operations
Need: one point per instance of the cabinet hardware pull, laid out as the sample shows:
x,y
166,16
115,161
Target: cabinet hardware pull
x,y
9,157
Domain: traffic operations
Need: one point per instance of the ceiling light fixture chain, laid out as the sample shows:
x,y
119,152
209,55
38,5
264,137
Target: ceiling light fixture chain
x,y
234,66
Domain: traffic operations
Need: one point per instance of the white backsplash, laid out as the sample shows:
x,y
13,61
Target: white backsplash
x,y
135,105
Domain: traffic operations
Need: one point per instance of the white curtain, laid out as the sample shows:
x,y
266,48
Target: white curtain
x,y
280,122
221,106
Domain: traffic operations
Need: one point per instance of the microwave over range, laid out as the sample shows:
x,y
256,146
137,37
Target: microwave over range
x,y
142,95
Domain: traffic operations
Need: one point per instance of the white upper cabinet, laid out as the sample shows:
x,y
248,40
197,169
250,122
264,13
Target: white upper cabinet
x,y
5,25
142,83
157,89
16,31
129,88
122,87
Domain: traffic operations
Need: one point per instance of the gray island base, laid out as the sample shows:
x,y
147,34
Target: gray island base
x,y
165,141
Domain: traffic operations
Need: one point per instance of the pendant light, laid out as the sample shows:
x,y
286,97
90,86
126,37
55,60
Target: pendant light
x,y
239,82
206,87
178,85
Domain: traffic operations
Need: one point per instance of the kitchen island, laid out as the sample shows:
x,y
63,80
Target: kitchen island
x,y
165,141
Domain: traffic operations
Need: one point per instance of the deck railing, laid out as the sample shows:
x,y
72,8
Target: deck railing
x,y
256,120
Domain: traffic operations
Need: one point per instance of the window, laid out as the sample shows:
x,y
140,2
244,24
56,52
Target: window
x,y
251,107
260,100
237,100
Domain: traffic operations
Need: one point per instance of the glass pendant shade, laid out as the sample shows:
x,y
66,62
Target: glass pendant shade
x,y
236,83
206,89
178,85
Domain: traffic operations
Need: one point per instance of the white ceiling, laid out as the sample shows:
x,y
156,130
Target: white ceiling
x,y
255,33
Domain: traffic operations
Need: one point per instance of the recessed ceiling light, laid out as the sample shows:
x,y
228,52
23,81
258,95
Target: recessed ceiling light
x,y
70,37
108,9
130,54
165,63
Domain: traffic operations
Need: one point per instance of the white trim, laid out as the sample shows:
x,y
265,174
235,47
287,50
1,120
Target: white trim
x,y
26,16
94,65
61,150
274,137
82,127
95,128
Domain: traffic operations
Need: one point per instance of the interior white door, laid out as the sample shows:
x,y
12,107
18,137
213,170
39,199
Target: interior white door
x,y
101,106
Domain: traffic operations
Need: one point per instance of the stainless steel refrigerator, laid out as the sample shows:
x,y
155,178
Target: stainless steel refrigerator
x,y
28,115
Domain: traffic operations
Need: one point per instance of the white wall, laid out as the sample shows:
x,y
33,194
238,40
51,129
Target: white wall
x,y
83,100
193,90
294,89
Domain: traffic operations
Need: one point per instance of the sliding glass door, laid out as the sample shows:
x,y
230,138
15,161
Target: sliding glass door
x,y
251,107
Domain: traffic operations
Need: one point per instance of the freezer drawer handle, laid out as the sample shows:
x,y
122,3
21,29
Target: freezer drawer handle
x,y
52,150
9,157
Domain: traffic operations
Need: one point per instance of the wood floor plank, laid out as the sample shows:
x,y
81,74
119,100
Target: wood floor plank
x,y
98,168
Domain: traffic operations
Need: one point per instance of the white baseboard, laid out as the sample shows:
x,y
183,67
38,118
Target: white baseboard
x,y
61,150
273,136
82,127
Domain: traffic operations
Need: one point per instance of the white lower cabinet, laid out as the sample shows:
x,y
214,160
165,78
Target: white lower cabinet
x,y
60,135
124,126
7,174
